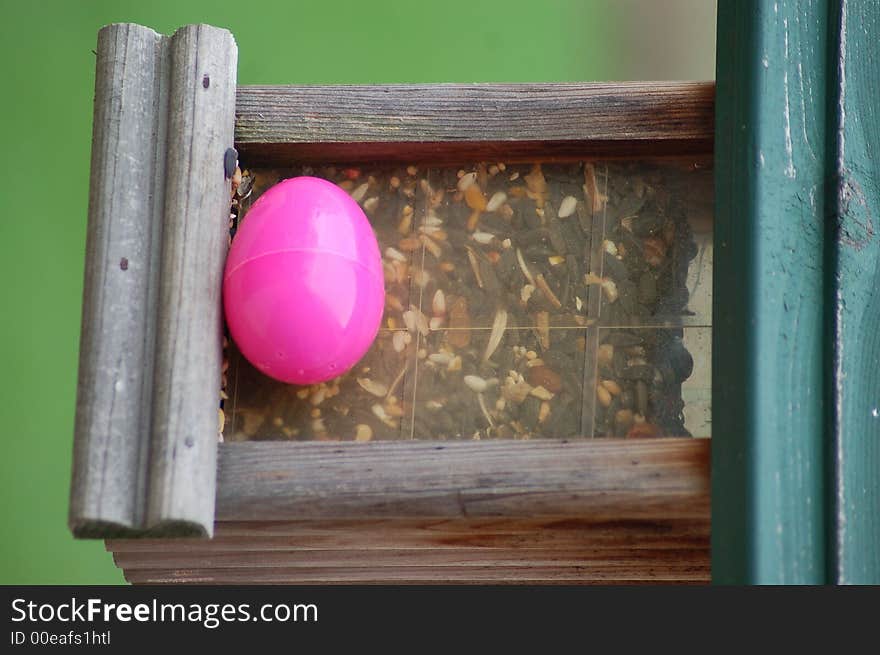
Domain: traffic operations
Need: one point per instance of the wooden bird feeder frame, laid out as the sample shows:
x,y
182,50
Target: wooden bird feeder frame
x,y
149,474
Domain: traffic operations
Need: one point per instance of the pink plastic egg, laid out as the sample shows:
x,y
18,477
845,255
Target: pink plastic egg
x,y
303,290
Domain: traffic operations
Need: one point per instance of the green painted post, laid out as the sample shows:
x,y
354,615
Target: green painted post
x,y
768,420
854,294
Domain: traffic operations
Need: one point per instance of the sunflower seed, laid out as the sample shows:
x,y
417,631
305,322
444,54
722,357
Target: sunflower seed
x,y
522,265
498,325
421,278
544,412
612,386
541,393
372,387
567,206
359,192
498,198
395,254
438,303
609,288
475,383
475,266
466,181
380,413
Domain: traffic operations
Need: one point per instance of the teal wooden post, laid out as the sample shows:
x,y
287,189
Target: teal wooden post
x,y
768,464
796,405
854,298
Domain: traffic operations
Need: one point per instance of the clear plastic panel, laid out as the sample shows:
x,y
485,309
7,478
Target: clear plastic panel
x,y
508,289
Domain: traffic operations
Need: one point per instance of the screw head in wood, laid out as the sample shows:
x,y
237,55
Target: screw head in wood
x,y
230,162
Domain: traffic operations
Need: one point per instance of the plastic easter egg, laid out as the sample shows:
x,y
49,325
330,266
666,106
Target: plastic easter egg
x,y
303,289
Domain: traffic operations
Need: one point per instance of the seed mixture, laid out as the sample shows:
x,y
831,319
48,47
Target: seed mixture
x,y
522,301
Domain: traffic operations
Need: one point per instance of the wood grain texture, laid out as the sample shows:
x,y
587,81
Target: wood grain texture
x,y
435,534
122,249
573,550
626,573
455,122
188,353
662,478
767,397
463,558
854,203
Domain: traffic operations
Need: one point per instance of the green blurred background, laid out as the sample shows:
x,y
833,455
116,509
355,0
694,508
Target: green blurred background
x,y
45,118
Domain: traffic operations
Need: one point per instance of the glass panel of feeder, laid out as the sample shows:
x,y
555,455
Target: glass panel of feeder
x,y
653,382
517,239
497,383
525,260
364,404
657,242
696,390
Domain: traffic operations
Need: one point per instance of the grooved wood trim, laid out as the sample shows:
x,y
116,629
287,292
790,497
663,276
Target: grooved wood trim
x,y
121,274
151,339
183,449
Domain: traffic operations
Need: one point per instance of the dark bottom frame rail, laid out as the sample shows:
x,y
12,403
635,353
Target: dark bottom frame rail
x,y
430,551
605,512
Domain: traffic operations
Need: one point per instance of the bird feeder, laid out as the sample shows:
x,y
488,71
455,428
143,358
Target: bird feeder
x,y
537,403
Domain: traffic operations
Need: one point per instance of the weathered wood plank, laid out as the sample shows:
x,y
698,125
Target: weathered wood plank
x,y
767,396
625,573
461,122
854,203
435,534
376,558
188,353
407,551
619,479
122,250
